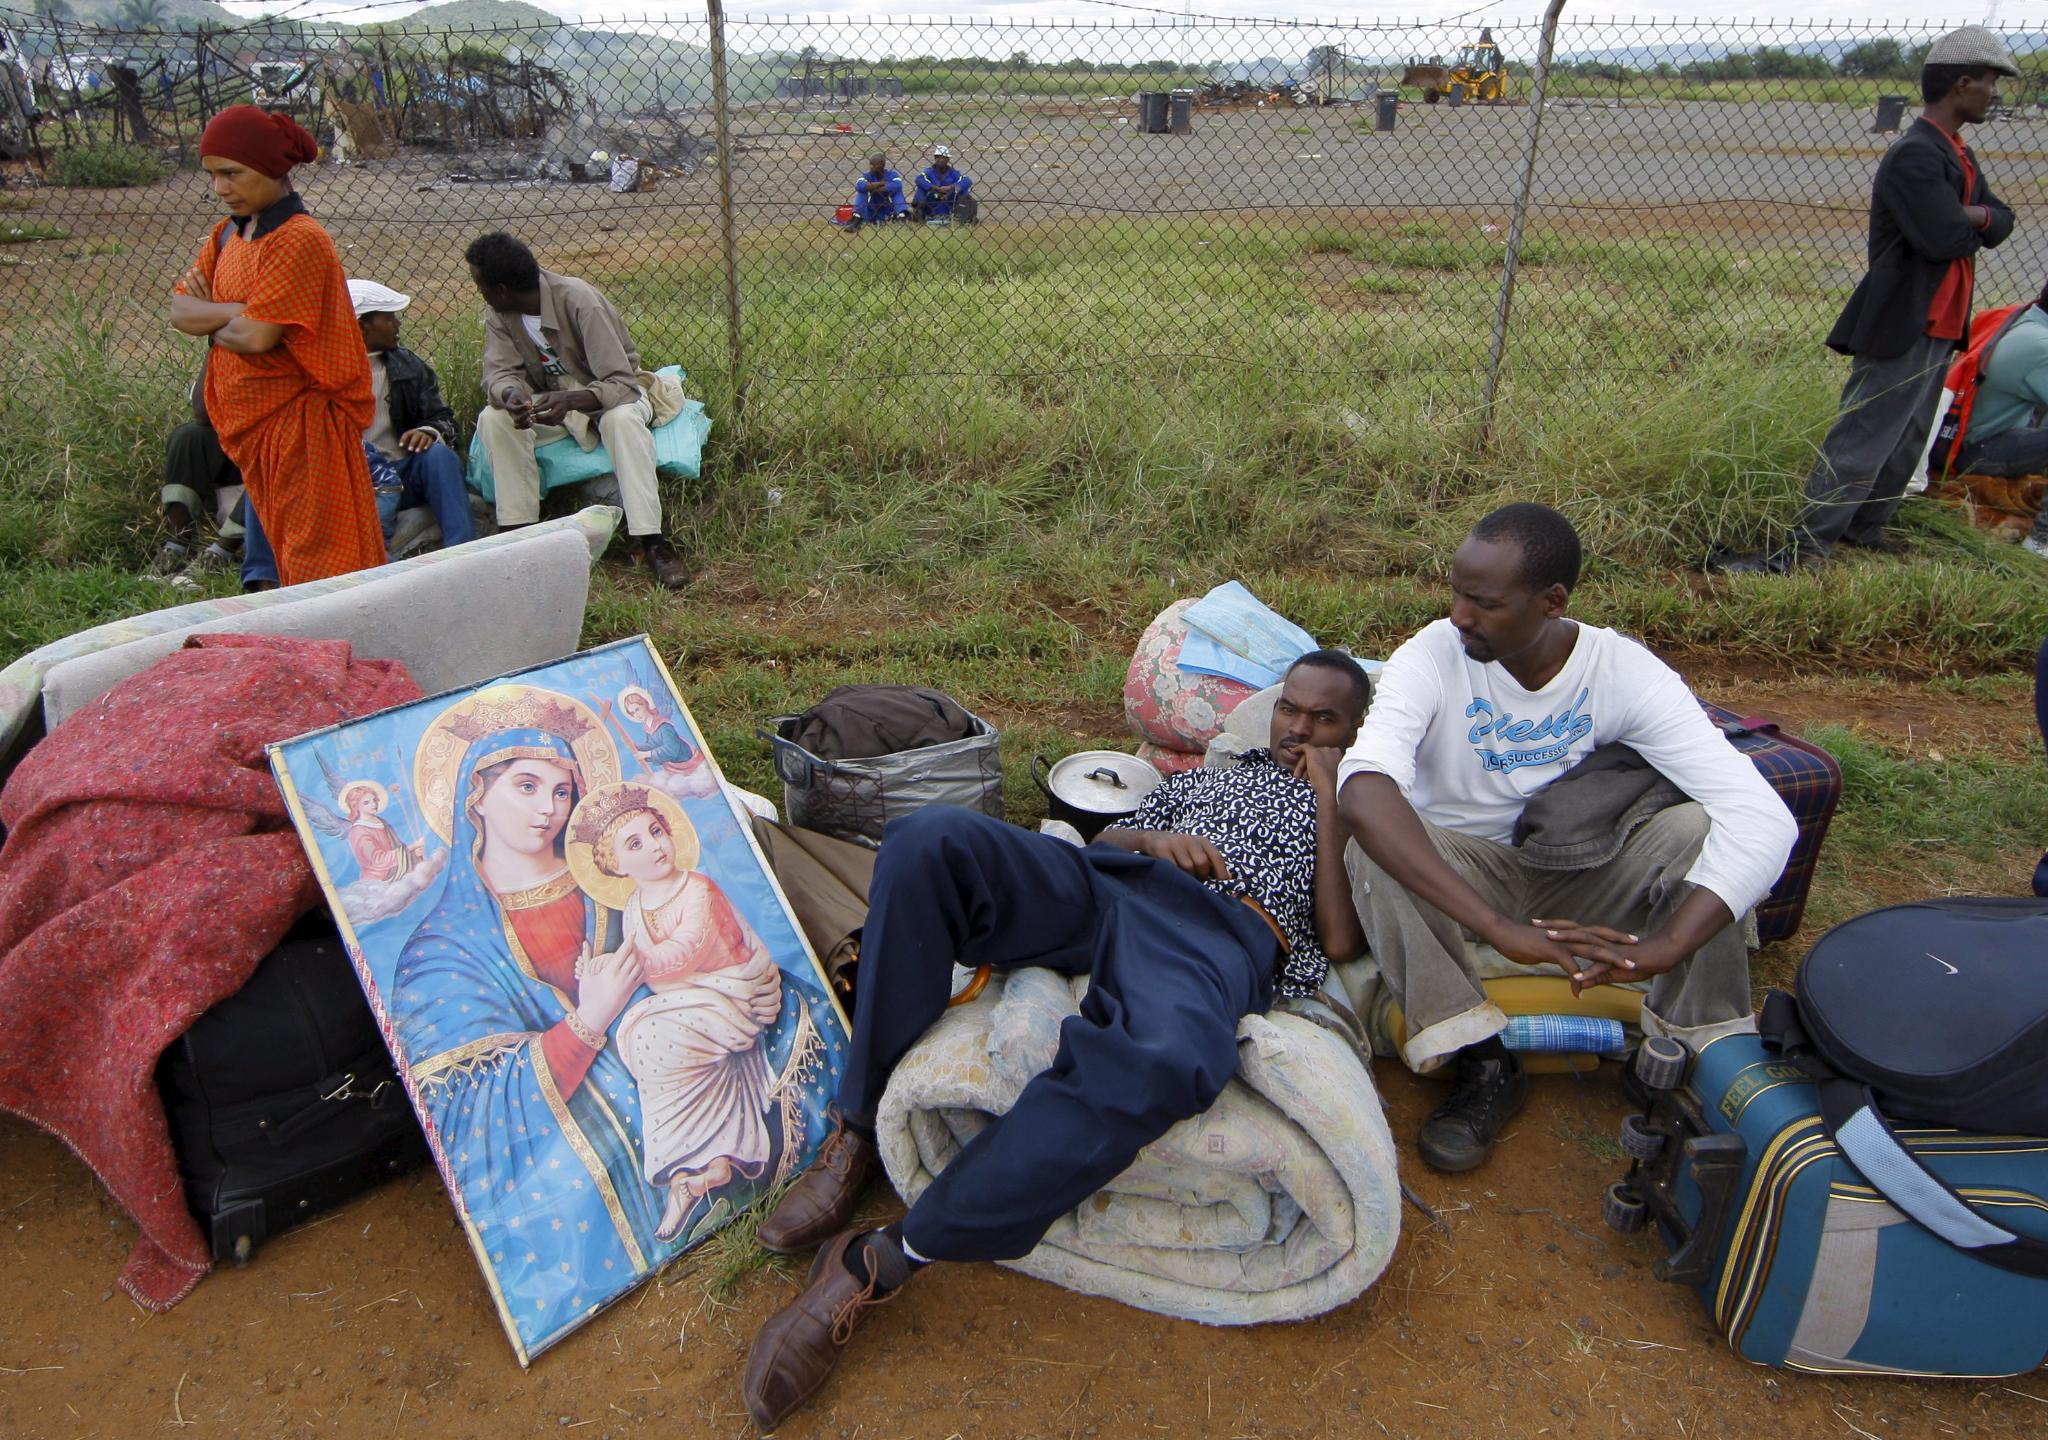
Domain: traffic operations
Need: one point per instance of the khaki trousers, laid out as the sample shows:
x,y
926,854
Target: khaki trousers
x,y
1422,953
627,439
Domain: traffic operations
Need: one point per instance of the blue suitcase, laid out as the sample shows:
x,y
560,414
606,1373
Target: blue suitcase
x,y
1800,1261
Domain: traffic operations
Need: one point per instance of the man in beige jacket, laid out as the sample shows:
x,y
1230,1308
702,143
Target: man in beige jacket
x,y
556,350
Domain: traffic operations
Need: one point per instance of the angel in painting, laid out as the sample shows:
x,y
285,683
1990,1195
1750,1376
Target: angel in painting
x,y
394,871
672,762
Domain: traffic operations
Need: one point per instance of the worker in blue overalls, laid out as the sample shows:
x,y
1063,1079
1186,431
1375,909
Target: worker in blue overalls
x,y
878,193
941,187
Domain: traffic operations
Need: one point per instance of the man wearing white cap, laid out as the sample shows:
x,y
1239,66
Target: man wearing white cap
x,y
941,187
1930,213
414,427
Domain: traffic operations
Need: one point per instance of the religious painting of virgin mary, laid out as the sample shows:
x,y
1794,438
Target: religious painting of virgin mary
x,y
614,1033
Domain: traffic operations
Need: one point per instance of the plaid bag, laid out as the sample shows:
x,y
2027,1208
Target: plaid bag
x,y
1809,781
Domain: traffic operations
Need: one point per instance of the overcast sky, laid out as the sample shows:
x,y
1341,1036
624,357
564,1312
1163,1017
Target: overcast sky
x,y
1863,14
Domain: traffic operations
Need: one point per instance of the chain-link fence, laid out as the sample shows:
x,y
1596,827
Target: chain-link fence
x,y
1154,197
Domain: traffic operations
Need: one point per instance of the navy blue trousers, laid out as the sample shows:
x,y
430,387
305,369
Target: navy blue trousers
x,y
1173,966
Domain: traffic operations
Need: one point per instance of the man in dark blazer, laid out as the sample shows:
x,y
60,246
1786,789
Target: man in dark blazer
x,y
1930,212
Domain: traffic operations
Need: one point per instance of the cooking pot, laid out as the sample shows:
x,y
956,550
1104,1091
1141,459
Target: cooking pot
x,y
843,215
1091,788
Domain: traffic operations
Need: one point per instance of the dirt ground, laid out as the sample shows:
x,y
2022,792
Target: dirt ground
x,y
1521,1315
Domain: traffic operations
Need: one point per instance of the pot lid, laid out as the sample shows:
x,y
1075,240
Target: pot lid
x,y
1103,782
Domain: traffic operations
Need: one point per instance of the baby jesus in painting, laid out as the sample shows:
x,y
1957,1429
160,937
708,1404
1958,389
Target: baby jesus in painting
x,y
695,1046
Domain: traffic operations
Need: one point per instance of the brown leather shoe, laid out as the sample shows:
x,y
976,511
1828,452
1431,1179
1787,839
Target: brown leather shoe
x,y
669,571
796,1351
821,1202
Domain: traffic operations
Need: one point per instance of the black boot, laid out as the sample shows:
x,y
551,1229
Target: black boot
x,y
669,571
1491,1087
1762,562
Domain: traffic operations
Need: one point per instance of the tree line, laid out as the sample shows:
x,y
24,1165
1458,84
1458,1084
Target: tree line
x,y
1867,60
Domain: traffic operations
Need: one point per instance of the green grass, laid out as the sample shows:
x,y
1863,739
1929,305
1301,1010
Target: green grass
x,y
1664,390
1598,1143
1387,284
1163,407
720,1266
1961,810
1226,409
1831,90
105,165
18,232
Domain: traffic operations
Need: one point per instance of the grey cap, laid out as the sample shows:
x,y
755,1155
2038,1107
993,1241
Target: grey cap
x,y
1975,47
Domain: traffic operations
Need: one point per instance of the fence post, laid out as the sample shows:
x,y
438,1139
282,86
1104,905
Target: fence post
x,y
1531,133
728,241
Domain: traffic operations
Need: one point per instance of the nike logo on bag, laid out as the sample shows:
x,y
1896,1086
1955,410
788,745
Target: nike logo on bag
x,y
1942,963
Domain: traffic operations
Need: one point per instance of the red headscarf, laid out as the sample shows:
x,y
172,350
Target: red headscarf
x,y
267,143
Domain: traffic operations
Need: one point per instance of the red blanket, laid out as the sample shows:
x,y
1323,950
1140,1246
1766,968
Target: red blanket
x,y
150,864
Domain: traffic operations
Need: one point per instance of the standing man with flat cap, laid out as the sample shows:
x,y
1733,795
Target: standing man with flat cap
x,y
1930,213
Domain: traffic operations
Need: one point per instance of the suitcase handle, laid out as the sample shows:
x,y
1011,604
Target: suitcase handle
x,y
1748,725
334,1090
1715,1163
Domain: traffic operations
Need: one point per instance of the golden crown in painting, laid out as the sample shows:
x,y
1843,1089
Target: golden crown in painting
x,y
527,711
601,811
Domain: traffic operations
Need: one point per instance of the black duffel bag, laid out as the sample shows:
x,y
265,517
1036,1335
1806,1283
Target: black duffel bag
x,y
1934,1013
282,1099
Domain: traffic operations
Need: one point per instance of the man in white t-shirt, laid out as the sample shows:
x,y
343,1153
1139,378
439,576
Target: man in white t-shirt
x,y
1471,717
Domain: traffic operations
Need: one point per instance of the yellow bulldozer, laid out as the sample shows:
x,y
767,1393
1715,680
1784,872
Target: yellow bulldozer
x,y
1479,75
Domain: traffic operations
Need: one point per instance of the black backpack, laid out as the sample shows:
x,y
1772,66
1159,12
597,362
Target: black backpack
x,y
1934,1013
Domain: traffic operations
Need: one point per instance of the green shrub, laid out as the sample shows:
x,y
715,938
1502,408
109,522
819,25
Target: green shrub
x,y
106,167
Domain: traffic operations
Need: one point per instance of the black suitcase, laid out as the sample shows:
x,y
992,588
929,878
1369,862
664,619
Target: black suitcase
x,y
282,1100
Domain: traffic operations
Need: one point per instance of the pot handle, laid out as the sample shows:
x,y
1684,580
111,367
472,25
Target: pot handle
x,y
1040,768
1103,772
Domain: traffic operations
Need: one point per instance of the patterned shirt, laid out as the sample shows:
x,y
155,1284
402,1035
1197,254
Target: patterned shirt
x,y
1263,822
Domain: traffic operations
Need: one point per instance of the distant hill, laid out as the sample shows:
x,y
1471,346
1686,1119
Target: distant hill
x,y
480,14
190,12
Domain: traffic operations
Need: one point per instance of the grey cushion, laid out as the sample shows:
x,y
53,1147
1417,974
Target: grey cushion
x,y
473,615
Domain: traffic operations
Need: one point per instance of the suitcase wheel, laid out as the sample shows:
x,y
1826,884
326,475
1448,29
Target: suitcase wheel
x,y
245,1246
1639,1141
1623,1208
1660,1063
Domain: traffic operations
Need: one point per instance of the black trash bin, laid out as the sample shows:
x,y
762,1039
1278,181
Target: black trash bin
x,y
1385,106
1180,108
1152,112
1891,109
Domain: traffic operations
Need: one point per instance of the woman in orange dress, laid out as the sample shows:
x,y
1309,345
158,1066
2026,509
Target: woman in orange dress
x,y
288,380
